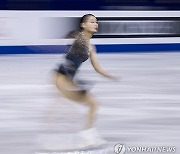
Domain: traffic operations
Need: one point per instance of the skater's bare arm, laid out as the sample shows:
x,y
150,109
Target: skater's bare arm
x,y
96,65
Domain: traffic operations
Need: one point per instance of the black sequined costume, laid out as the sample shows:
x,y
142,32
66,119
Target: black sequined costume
x,y
77,54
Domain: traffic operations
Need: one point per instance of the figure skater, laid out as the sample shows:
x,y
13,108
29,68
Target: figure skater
x,y
79,52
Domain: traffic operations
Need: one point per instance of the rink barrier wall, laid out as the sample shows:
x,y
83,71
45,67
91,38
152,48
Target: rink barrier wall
x,y
115,48
23,32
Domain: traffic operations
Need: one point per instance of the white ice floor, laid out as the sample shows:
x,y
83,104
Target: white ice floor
x,y
143,109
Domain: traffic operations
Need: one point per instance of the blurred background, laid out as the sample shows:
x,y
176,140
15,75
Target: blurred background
x,y
137,40
90,4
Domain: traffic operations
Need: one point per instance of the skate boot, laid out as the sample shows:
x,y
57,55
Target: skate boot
x,y
91,139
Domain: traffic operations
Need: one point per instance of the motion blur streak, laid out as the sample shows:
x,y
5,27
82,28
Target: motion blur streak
x,y
141,110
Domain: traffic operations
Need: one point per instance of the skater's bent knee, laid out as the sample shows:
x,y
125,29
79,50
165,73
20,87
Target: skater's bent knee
x,y
92,103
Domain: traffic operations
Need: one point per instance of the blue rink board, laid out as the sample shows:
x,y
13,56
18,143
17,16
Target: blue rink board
x,y
48,49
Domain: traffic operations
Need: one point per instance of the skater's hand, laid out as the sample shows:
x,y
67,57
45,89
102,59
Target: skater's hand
x,y
114,78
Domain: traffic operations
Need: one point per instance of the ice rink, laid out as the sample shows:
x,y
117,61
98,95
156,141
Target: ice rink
x,y
142,109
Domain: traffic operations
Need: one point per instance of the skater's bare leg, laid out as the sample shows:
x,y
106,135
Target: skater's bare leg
x,y
63,84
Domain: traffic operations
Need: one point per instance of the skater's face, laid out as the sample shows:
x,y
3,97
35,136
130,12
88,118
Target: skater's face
x,y
90,24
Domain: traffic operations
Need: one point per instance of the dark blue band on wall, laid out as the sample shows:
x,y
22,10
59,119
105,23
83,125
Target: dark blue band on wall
x,y
138,47
52,49
39,49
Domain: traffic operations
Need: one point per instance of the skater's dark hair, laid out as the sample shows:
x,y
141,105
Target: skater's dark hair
x,y
72,34
75,33
84,18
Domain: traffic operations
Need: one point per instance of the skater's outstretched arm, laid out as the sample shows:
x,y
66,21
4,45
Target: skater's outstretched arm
x,y
96,65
